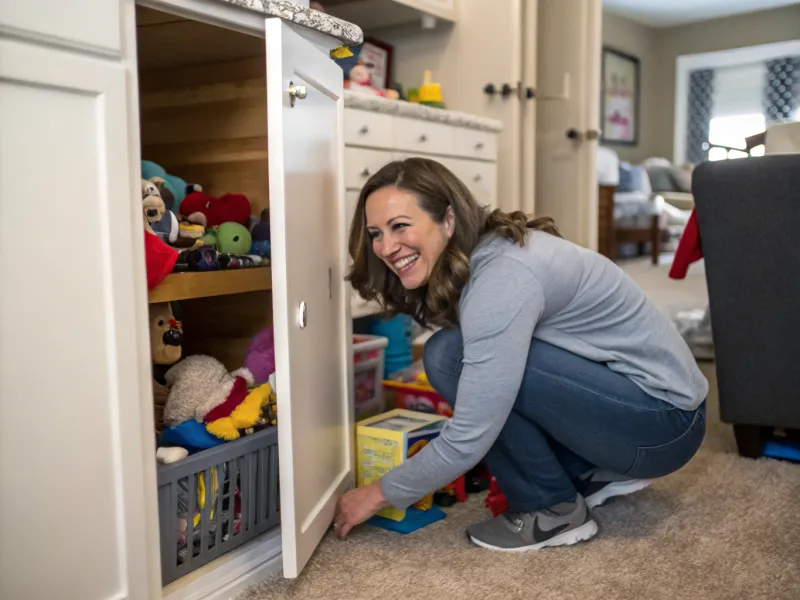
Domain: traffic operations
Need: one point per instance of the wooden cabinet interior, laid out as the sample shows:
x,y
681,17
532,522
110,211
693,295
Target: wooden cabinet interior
x,y
203,117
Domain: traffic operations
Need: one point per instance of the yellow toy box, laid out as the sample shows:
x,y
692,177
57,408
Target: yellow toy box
x,y
388,440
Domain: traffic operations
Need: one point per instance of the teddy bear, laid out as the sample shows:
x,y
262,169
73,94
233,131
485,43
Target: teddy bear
x,y
159,220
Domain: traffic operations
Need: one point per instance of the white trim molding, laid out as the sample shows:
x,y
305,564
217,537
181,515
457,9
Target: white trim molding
x,y
715,60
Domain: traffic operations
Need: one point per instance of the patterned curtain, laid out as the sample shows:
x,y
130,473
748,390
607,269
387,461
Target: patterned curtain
x,y
782,93
701,98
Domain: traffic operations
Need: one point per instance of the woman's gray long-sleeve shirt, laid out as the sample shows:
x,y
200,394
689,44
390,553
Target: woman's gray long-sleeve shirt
x,y
568,296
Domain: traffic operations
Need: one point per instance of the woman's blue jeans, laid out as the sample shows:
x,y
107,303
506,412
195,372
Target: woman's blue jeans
x,y
571,415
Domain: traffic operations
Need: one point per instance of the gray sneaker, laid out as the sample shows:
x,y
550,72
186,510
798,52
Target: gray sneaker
x,y
601,485
565,523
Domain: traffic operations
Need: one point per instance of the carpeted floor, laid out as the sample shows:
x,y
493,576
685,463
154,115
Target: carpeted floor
x,y
722,528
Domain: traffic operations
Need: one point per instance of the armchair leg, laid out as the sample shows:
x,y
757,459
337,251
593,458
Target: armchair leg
x,y
750,439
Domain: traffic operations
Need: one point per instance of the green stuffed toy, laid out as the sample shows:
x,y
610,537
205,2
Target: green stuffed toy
x,y
229,238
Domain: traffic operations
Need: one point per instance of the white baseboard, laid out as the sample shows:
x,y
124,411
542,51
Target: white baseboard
x,y
229,575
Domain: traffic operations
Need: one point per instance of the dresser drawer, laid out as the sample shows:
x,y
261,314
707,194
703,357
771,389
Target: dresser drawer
x,y
365,128
472,143
480,177
426,137
361,164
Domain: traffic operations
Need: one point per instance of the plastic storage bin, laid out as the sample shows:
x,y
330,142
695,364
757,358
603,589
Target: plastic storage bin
x,y
368,361
413,392
234,494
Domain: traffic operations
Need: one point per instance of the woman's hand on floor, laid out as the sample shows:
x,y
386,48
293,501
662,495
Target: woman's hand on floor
x,y
356,506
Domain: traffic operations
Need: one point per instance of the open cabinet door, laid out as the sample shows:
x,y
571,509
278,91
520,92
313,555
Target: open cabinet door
x,y
567,115
311,316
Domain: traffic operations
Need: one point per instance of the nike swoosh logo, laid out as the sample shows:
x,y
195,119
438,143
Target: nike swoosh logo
x,y
541,535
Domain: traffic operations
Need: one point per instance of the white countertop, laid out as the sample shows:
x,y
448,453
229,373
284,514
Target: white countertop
x,y
362,101
348,33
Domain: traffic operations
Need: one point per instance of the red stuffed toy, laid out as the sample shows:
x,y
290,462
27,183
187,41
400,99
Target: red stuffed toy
x,y
209,211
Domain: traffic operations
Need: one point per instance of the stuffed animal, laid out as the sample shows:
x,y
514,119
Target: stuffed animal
x,y
201,389
166,335
259,357
158,218
261,236
230,238
209,211
153,206
178,188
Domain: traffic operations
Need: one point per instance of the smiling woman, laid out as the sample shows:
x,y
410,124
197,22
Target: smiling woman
x,y
414,228
563,377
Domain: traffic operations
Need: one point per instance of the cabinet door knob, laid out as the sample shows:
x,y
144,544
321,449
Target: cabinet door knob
x,y
296,92
423,138
302,315
364,130
574,134
593,134
479,146
477,178
366,172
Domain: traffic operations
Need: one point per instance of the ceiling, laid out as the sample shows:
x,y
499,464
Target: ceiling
x,y
665,13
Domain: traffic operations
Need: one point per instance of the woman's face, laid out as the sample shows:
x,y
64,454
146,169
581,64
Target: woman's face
x,y
404,236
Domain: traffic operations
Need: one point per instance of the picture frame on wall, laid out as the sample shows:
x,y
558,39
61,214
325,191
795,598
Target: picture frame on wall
x,y
620,97
377,57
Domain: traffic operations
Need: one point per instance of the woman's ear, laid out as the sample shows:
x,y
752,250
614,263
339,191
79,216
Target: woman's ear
x,y
449,221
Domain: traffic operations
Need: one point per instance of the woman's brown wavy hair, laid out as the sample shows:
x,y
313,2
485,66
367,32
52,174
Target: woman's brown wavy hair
x,y
436,188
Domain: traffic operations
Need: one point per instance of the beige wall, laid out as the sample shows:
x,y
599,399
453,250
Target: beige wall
x,y
640,41
752,29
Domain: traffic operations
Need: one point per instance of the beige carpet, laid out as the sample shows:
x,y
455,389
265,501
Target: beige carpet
x,y
722,528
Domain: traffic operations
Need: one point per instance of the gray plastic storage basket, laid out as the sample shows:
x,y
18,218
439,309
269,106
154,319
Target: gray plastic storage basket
x,y
203,481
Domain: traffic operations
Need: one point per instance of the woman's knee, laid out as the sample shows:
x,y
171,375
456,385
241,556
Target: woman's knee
x,y
442,356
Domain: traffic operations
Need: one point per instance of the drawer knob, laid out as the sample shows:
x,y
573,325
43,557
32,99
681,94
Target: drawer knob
x,y
479,146
477,178
296,92
364,130
366,172
423,138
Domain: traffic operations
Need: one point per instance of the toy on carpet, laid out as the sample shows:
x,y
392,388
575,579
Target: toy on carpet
x,y
386,441
208,211
177,187
495,500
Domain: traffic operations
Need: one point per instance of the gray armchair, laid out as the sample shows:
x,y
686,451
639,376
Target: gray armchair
x,y
748,212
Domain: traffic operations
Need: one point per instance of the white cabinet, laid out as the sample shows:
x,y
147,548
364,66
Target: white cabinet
x,y
74,319
68,332
464,144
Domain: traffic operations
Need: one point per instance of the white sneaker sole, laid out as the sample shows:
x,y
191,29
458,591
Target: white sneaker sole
x,y
617,488
573,536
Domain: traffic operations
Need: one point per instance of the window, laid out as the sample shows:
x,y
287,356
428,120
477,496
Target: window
x,y
727,135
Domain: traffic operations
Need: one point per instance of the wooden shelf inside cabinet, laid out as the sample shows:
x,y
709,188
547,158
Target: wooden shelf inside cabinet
x,y
185,286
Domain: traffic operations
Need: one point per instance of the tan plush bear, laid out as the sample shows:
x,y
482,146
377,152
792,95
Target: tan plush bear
x,y
153,205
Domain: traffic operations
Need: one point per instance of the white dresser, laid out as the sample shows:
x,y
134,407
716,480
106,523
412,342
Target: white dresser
x,y
378,131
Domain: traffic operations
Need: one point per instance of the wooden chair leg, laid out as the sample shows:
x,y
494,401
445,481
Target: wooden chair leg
x,y
655,241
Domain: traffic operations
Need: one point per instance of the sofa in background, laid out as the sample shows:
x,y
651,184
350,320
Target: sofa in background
x,y
748,214
632,208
